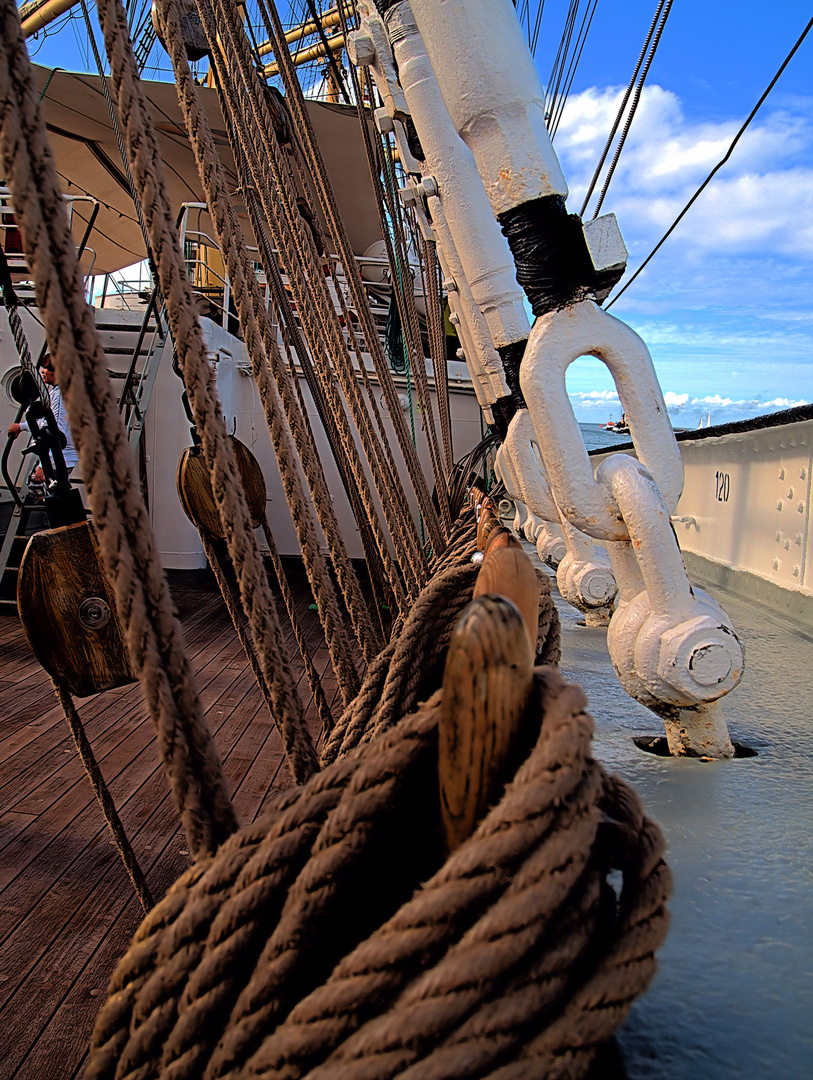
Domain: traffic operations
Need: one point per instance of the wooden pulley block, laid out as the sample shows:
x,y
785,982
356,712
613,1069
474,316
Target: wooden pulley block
x,y
68,611
192,32
498,537
195,488
486,685
507,571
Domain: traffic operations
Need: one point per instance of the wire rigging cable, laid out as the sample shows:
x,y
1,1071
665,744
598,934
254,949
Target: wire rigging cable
x,y
555,78
636,97
716,168
622,107
581,38
537,25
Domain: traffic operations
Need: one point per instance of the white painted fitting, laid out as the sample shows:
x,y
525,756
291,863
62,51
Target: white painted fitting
x,y
520,510
679,643
550,545
373,34
492,91
557,339
473,329
505,474
700,731
521,449
481,247
531,528
584,576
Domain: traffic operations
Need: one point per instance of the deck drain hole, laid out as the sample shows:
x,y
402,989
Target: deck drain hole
x,y
657,744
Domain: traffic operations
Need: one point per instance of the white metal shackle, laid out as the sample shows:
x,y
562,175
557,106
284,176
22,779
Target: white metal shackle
x,y
684,648
557,339
504,471
653,542
531,481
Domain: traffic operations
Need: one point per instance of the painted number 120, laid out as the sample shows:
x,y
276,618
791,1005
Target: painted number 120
x,y
723,486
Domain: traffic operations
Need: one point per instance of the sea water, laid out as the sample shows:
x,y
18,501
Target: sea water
x,y
596,437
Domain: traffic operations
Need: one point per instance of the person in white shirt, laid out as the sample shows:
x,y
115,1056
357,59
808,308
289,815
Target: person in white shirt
x,y
60,415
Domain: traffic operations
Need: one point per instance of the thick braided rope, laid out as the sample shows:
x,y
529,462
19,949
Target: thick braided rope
x,y
413,662
344,250
514,958
410,668
262,349
258,147
153,637
139,134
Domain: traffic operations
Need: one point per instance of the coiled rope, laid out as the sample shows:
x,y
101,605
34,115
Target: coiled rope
x,y
304,948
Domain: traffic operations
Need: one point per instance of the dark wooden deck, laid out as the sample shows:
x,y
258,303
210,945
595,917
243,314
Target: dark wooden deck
x,y
67,910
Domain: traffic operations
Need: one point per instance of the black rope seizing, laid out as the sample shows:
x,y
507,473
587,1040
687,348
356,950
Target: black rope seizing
x,y
511,356
550,253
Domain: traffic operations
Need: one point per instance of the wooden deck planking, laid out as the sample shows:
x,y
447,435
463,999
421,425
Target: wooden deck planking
x,y
67,910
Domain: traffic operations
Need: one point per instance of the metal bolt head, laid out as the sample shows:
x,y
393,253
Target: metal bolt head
x,y
361,48
449,285
595,585
94,613
701,658
430,186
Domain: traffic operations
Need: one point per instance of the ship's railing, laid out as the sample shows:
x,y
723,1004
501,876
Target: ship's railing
x,y
11,240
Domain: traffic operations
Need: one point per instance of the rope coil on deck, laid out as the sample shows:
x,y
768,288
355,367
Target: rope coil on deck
x,y
303,948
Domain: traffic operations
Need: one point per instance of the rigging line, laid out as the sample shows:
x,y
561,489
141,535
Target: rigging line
x,y
537,25
572,13
555,65
636,97
117,132
561,55
578,49
622,106
581,40
331,59
716,168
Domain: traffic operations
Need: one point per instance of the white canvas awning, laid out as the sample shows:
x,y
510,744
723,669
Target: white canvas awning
x,y
88,161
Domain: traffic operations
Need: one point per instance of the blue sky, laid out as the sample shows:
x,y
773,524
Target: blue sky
x,y
725,307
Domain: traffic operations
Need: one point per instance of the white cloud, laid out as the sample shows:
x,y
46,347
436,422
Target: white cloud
x,y
674,401
762,198
725,304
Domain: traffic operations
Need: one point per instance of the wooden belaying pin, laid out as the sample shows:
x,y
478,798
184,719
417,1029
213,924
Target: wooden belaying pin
x,y
486,685
507,571
489,520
